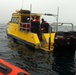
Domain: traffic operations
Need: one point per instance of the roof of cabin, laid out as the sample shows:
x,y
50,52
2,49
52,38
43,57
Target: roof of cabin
x,y
25,12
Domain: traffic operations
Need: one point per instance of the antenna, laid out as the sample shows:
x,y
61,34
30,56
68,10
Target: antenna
x,y
30,13
22,4
57,19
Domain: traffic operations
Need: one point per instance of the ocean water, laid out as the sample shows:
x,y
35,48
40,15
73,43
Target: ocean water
x,y
36,62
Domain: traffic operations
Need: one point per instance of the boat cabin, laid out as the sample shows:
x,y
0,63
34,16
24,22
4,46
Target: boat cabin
x,y
24,19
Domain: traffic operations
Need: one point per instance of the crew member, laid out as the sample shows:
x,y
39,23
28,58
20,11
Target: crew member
x,y
35,25
44,26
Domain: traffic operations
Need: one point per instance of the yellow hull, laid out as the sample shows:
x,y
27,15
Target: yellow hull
x,y
25,36
49,44
31,38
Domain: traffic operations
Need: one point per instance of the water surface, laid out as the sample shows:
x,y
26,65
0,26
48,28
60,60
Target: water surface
x,y
36,62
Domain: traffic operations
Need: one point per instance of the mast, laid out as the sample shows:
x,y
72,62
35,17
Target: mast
x,y
22,4
57,19
30,14
57,16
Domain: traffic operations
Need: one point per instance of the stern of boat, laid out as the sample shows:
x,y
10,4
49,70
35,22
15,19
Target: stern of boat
x,y
47,43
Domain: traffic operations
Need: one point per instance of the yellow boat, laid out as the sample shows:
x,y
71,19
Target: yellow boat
x,y
19,29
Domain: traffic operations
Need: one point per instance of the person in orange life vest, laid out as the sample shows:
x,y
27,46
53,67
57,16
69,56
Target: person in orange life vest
x,y
44,26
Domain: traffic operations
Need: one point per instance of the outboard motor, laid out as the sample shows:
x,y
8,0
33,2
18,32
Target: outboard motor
x,y
61,39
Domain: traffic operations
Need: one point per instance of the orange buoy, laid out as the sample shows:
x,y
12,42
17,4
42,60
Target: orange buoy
x,y
8,69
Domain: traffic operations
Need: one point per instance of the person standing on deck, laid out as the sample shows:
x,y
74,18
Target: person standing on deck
x,y
35,26
44,26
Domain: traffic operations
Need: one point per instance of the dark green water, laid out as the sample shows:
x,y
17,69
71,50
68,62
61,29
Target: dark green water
x,y
36,62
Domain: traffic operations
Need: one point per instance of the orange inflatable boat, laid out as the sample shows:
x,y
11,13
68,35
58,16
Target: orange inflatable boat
x,y
8,69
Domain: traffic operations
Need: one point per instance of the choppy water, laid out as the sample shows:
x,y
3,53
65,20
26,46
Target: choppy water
x,y
35,62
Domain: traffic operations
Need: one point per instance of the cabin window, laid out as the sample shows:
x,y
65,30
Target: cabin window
x,y
24,19
15,20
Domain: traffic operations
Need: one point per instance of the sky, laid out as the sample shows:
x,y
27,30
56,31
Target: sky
x,y
67,9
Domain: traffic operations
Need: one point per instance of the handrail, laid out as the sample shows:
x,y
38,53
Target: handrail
x,y
60,24
25,27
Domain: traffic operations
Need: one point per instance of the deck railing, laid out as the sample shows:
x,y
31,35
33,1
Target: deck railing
x,y
26,27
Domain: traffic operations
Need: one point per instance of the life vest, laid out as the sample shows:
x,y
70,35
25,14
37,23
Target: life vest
x,y
8,69
45,26
45,22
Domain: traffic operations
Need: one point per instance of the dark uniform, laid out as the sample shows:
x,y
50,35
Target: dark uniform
x,y
45,26
35,26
